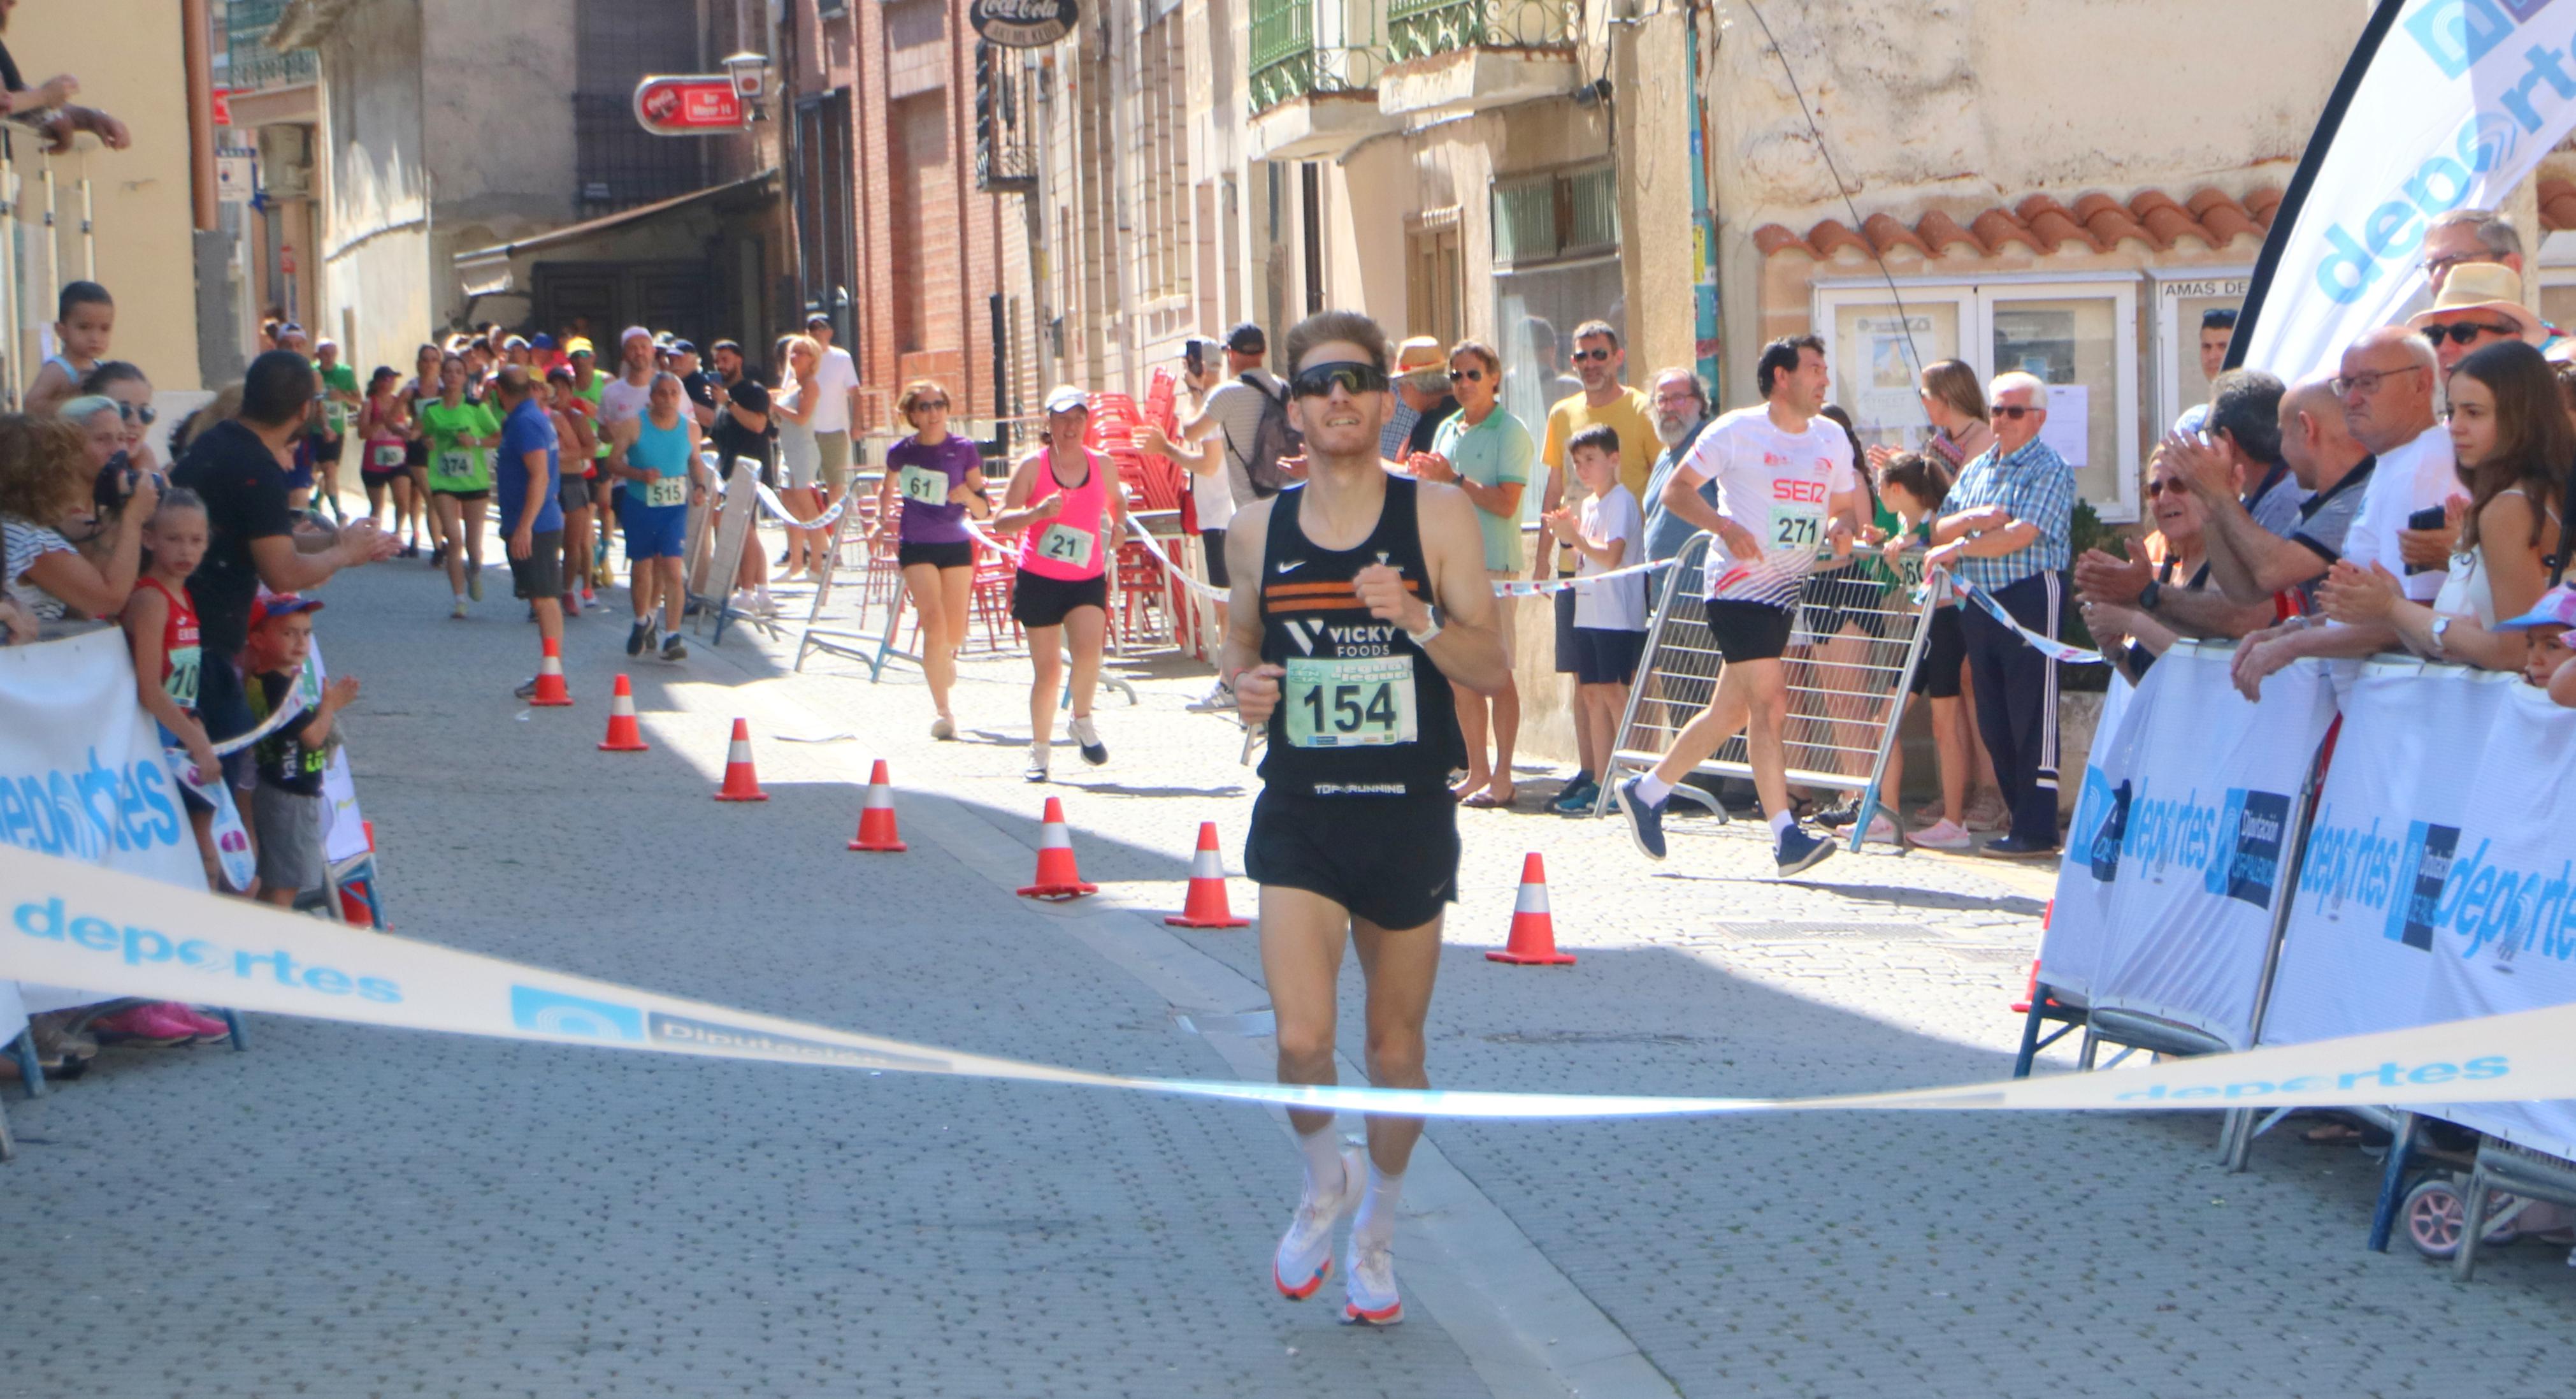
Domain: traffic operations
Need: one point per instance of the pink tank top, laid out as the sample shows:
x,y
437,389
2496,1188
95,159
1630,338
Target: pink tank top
x,y
1069,548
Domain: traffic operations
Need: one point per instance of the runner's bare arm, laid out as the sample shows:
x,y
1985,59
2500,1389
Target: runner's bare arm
x,y
1256,686
1468,649
620,438
1682,497
1016,510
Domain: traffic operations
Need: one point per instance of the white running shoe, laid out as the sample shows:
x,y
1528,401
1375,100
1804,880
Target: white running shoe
x,y
1037,769
1368,1284
1943,834
1883,831
1306,1250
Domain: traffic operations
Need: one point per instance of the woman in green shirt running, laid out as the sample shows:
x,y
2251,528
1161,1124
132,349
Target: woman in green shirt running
x,y
460,437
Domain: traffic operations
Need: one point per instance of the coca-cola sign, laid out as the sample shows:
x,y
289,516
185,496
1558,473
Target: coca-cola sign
x,y
1022,24
689,105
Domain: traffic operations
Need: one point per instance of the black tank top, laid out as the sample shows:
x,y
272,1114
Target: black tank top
x,y
1362,712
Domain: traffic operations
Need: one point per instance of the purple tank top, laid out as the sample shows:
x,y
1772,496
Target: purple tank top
x,y
923,473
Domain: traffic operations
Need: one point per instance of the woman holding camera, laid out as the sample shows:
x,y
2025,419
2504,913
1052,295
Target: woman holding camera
x,y
48,478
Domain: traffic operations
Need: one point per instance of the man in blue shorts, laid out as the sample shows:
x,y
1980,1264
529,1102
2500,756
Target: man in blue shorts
x,y
657,451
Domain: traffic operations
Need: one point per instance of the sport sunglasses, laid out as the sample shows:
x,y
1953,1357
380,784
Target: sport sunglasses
x,y
1353,377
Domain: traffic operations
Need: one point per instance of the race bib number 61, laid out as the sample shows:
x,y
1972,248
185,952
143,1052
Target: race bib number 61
x,y
922,485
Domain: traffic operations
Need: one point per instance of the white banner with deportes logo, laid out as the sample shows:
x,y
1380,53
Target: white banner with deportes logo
x,y
81,773
2445,104
2439,872
2191,835
2079,917
68,922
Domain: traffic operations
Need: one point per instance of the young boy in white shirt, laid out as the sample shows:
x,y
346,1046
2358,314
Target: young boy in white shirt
x,y
1609,618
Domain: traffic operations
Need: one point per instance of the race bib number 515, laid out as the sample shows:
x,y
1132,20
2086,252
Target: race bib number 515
x,y
1356,703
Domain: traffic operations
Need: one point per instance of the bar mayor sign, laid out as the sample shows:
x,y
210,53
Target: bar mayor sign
x,y
1022,24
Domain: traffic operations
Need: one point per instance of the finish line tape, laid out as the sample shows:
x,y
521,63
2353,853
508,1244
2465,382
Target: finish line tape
x,y
75,924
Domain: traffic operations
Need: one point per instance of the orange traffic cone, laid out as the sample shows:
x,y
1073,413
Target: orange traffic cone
x,y
876,819
1205,907
1057,876
1533,942
741,784
623,736
550,679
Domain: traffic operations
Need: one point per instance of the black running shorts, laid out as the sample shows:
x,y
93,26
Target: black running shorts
x,y
1390,860
1749,631
1040,601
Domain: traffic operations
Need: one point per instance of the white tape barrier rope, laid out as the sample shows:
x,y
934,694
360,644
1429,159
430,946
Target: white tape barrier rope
x,y
2049,646
777,509
75,924
307,692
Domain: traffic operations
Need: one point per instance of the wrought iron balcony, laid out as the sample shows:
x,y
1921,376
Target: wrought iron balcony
x,y
249,62
1304,47
1421,28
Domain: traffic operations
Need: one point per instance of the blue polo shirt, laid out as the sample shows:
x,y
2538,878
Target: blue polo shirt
x,y
526,430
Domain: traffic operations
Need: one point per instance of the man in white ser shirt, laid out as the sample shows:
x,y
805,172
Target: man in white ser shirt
x,y
1787,490
2386,381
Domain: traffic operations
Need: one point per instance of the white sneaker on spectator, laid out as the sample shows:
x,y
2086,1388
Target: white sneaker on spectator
x,y
1883,831
1987,812
1944,834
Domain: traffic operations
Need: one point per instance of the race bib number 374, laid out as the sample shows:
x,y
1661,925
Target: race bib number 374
x,y
1353,703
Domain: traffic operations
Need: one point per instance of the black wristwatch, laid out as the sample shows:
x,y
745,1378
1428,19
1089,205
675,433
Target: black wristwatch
x,y
2148,595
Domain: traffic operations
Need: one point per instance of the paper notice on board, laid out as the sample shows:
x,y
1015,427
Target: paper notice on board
x,y
2069,426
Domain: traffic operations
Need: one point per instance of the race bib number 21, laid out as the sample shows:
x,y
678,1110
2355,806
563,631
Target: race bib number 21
x,y
1066,545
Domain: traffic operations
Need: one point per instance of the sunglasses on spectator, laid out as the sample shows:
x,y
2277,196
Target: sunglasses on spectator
x,y
1595,355
2015,411
1466,376
1350,376
2449,261
133,414
939,403
2161,486
2462,332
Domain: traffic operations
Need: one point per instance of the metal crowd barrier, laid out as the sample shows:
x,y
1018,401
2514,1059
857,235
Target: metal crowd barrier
x,y
1851,658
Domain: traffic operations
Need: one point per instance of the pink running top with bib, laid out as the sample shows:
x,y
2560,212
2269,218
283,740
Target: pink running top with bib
x,y
1069,548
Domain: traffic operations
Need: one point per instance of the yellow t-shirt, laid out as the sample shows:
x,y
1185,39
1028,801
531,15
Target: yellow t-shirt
x,y
1631,415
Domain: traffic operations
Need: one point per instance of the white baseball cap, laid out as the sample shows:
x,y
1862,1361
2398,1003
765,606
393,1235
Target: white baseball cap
x,y
1065,398
632,332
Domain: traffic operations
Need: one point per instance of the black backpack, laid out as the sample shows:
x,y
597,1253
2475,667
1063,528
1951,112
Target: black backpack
x,y
1272,439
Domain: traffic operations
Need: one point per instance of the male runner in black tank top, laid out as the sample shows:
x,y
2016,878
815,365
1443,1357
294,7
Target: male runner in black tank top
x,y
1358,598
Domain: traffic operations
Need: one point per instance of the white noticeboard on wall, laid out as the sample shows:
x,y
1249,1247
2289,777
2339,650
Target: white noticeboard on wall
x,y
2069,425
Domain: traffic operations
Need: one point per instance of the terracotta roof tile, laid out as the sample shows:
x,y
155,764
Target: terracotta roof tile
x,y
1884,232
1940,231
2097,222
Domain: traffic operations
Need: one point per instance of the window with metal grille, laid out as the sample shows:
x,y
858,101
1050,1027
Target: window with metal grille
x,y
1561,214
617,164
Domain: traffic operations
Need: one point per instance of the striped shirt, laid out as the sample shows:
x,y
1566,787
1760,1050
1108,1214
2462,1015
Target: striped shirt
x,y
2033,485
